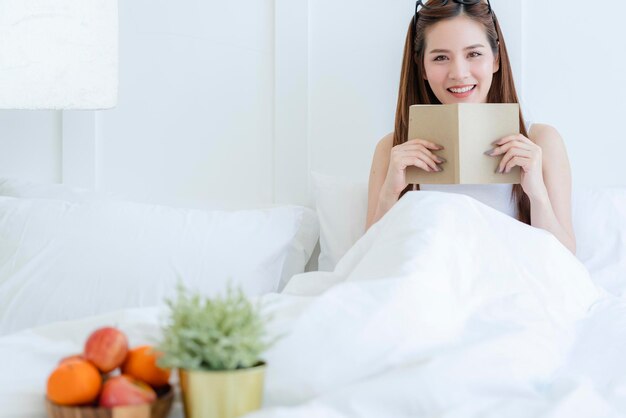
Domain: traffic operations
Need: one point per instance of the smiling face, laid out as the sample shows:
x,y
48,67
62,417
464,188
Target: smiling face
x,y
457,57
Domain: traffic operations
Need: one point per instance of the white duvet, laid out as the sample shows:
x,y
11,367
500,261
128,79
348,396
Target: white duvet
x,y
444,308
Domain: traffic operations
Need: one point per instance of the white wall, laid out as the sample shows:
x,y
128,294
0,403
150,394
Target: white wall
x,y
232,103
195,116
195,119
575,71
354,69
30,145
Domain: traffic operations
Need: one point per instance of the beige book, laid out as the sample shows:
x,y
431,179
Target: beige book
x,y
466,131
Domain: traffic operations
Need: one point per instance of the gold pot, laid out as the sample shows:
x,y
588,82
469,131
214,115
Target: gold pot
x,y
223,393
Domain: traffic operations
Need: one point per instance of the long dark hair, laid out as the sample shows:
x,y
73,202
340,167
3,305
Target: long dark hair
x,y
414,89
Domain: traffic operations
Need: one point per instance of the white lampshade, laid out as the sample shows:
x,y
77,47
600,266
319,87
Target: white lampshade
x,y
58,54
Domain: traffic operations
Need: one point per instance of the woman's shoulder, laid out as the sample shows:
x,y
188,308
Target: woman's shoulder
x,y
386,143
549,140
542,133
387,140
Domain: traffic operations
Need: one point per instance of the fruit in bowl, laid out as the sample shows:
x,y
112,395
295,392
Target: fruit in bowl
x,y
106,348
88,384
124,390
141,364
74,382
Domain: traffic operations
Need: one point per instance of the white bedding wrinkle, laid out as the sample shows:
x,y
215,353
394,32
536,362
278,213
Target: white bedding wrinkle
x,y
445,308
598,218
439,271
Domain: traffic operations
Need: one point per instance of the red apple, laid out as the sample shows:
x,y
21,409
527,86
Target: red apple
x,y
124,390
106,348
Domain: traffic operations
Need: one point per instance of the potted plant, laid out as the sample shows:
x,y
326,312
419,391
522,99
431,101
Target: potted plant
x,y
216,344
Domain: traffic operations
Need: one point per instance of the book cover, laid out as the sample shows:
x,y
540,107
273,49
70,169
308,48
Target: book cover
x,y
466,131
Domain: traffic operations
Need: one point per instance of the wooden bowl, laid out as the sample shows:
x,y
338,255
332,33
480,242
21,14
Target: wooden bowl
x,y
157,409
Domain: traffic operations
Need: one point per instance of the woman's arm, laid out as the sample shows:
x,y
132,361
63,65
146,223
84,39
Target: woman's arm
x,y
377,204
546,178
551,208
388,173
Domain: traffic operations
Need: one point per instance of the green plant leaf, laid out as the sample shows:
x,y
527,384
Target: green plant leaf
x,y
220,333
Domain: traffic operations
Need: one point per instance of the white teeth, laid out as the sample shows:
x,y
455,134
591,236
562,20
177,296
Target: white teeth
x,y
463,90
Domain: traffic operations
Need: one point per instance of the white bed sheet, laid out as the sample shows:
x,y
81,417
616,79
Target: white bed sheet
x,y
590,383
512,325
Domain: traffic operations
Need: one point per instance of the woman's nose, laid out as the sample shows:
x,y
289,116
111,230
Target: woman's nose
x,y
459,70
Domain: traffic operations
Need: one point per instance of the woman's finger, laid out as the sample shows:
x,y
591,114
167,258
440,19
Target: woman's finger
x,y
426,143
425,156
513,144
417,162
428,160
523,162
514,152
411,149
514,137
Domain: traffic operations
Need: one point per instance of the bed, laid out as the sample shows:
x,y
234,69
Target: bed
x,y
445,307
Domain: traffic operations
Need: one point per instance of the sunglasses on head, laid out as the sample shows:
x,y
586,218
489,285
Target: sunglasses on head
x,y
419,3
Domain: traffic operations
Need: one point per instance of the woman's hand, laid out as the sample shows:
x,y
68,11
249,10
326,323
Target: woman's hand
x,y
416,152
521,151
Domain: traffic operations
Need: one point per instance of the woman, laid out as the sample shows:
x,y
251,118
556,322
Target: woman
x,y
455,53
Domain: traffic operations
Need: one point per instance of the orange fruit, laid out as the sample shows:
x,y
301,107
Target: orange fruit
x,y
141,364
74,382
71,358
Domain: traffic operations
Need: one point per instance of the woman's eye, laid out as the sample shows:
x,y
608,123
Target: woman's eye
x,y
473,54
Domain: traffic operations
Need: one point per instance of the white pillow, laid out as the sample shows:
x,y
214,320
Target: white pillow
x,y
598,217
293,265
63,260
341,207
